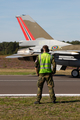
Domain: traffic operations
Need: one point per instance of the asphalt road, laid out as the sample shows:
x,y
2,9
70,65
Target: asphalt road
x,y
27,85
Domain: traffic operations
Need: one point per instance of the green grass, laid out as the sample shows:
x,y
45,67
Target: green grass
x,y
66,108
17,72
28,72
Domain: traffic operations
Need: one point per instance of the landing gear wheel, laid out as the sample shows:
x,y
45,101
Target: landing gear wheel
x,y
75,73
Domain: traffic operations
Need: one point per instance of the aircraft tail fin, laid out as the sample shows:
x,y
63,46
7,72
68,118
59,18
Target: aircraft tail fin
x,y
31,29
25,29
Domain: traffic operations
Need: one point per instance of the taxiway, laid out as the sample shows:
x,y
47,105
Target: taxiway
x,y
27,84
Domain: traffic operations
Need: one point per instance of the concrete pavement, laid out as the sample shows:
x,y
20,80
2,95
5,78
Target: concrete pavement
x,y
27,85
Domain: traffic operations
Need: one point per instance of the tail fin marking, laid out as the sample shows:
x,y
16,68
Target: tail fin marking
x,y
25,29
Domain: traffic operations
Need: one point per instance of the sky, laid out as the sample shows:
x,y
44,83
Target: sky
x,y
60,18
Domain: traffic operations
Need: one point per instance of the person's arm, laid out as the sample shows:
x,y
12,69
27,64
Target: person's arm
x,y
36,69
54,66
37,66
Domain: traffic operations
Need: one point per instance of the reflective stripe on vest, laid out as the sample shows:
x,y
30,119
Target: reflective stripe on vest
x,y
45,63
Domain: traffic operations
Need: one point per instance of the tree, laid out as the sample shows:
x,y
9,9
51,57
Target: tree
x,y
7,48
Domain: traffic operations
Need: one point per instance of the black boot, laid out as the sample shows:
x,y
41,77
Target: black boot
x,y
54,101
36,102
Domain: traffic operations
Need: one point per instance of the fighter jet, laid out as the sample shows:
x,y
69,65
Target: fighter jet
x,y
36,37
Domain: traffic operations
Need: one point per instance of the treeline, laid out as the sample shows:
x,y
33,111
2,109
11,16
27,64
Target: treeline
x,y
76,42
8,48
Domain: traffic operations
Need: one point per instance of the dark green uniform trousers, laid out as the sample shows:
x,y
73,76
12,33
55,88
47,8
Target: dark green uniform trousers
x,y
49,80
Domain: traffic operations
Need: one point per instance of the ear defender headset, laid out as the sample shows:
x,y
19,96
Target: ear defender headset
x,y
48,49
42,49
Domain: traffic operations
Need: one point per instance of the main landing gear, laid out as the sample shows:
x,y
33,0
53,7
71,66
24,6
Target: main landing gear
x,y
75,73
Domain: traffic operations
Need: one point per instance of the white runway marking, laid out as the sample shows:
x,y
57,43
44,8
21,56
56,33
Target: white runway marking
x,y
32,95
17,80
37,80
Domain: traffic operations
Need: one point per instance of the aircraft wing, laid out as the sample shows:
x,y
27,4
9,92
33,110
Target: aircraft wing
x,y
21,55
26,52
14,56
67,55
67,52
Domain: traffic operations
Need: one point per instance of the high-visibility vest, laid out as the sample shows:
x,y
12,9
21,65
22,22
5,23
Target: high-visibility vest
x,y
45,63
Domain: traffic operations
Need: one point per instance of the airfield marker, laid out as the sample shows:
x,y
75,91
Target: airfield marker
x,y
32,95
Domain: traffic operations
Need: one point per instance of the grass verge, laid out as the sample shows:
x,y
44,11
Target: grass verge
x,y
17,72
28,72
66,108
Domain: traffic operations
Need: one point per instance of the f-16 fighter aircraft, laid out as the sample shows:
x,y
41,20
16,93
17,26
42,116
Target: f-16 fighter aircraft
x,y
36,37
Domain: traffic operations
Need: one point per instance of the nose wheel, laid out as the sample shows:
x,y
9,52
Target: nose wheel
x,y
75,73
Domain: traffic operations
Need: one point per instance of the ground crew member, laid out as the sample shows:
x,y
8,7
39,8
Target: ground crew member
x,y
43,70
